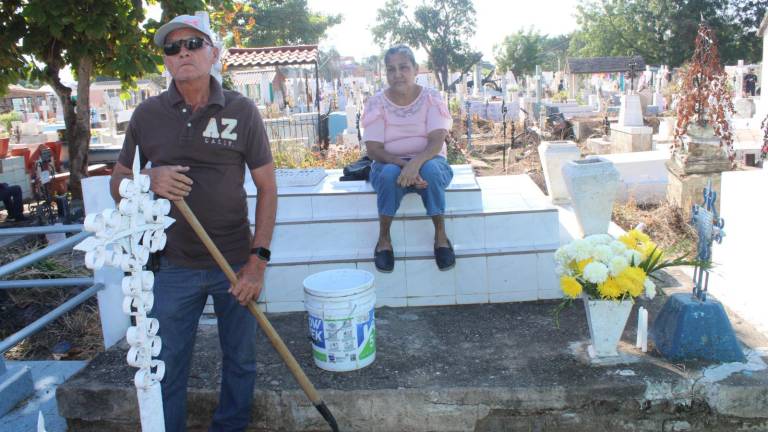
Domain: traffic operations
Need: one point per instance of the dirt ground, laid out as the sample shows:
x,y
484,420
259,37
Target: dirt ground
x,y
74,336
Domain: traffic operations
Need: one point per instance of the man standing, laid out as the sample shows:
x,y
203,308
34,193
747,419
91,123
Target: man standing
x,y
750,82
199,138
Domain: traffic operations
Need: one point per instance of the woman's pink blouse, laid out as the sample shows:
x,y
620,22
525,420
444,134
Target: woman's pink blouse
x,y
404,129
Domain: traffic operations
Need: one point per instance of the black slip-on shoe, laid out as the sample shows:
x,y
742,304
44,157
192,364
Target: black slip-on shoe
x,y
445,257
384,260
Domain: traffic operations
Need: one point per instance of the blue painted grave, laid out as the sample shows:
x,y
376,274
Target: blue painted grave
x,y
691,326
337,122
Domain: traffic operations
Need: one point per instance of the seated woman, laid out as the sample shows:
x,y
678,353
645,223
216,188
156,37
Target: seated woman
x,y
405,127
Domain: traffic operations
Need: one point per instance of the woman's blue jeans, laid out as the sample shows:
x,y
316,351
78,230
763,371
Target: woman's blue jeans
x,y
180,295
436,172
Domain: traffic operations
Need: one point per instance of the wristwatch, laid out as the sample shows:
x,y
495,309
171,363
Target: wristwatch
x,y
263,253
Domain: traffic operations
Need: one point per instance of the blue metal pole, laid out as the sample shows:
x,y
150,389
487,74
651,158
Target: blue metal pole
x,y
46,283
46,319
43,253
48,229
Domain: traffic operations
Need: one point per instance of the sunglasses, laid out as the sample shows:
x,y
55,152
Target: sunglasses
x,y
191,44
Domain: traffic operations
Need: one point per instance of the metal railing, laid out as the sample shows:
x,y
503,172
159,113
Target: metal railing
x,y
34,257
297,129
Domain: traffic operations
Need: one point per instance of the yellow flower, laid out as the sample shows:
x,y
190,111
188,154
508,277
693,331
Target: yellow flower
x,y
610,289
631,281
633,239
570,286
581,264
648,248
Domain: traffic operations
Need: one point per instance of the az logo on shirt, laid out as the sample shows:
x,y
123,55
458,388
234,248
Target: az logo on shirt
x,y
226,137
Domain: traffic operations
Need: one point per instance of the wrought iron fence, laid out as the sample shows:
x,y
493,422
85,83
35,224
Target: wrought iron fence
x,y
295,130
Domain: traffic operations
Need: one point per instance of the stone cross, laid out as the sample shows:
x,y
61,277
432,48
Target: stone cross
x,y
124,238
709,227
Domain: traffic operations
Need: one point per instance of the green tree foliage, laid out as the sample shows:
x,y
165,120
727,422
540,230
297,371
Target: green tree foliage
x,y
440,27
270,23
663,31
93,37
520,52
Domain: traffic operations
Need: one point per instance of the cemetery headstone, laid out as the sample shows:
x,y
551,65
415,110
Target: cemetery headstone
x,y
630,133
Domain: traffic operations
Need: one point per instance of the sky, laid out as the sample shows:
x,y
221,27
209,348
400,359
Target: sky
x,y
495,19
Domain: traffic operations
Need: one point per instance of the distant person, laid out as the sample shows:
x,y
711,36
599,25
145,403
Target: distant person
x,y
560,86
750,82
11,197
405,129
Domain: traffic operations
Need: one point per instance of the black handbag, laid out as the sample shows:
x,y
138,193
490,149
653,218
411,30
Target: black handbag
x,y
358,170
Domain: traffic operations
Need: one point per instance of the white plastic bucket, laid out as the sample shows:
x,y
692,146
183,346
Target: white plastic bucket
x,y
340,304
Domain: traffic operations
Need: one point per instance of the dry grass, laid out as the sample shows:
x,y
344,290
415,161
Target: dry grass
x,y
333,158
664,223
80,327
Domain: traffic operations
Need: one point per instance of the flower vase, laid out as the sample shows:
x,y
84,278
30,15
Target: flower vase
x,y
592,184
553,155
606,320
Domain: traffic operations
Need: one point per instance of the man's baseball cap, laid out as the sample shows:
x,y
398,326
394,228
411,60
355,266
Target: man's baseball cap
x,y
182,21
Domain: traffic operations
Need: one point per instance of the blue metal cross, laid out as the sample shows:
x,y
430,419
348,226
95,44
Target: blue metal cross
x,y
709,227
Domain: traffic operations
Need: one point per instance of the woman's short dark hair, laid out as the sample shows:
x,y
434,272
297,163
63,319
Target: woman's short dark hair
x,y
400,49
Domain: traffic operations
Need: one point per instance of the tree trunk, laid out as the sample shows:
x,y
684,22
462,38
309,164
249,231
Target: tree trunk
x,y
439,80
76,120
80,137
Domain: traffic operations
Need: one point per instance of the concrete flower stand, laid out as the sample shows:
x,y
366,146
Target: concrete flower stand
x,y
592,184
553,155
606,320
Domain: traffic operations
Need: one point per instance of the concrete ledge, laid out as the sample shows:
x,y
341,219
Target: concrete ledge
x,y
494,367
15,386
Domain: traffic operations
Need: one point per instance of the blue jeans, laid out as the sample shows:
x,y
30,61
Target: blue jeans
x,y
180,295
435,171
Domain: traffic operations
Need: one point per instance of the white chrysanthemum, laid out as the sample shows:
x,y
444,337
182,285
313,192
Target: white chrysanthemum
x,y
602,253
596,272
618,264
561,255
650,288
581,251
634,257
562,270
617,247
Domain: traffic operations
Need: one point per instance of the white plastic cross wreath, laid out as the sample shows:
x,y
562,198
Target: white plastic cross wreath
x,y
124,238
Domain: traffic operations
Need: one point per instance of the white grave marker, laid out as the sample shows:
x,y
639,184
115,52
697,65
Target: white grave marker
x,y
124,238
